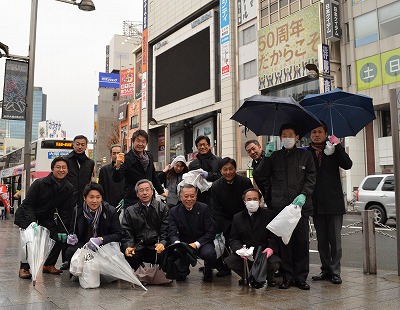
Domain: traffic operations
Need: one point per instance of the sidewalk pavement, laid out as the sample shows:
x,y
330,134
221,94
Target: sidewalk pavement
x,y
358,291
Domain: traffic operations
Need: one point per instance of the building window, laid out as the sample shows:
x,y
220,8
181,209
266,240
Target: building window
x,y
348,75
134,121
366,29
274,7
386,125
389,20
347,29
249,70
248,35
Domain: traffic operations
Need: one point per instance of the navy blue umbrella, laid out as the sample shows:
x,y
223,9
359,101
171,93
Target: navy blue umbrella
x,y
344,113
264,115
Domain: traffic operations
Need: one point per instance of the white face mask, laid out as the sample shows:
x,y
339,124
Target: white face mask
x,y
252,206
288,143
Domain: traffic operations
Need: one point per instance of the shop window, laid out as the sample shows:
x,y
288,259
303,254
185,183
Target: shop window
x,y
366,29
389,20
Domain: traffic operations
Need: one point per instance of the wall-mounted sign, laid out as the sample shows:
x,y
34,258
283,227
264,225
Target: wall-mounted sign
x,y
331,20
246,10
201,19
326,67
127,82
109,80
225,39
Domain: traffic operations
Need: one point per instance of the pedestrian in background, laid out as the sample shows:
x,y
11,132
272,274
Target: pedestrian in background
x,y
328,203
113,191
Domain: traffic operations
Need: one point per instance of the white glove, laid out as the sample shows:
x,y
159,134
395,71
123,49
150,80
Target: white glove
x,y
329,148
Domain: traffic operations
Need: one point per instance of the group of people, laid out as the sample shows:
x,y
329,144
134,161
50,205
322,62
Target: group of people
x,y
80,212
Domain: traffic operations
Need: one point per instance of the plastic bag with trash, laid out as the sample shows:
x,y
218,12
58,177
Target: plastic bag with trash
x,y
285,222
194,178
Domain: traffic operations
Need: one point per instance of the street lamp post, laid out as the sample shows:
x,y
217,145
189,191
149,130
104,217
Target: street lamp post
x,y
84,5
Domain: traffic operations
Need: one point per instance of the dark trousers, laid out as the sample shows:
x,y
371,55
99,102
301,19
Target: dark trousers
x,y
208,254
295,255
236,264
146,255
70,251
329,229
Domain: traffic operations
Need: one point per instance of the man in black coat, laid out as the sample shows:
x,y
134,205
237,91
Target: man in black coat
x,y
87,225
249,229
80,167
290,179
208,162
136,165
254,150
328,202
113,191
46,197
190,222
145,227
226,201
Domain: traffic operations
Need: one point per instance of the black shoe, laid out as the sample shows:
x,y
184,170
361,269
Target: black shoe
x,y
242,282
208,275
286,284
223,273
336,279
301,284
64,266
322,276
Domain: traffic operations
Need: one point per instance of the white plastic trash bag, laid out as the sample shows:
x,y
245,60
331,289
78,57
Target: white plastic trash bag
x,y
90,277
246,252
219,245
285,222
77,260
194,178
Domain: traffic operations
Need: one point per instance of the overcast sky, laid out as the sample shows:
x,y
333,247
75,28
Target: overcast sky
x,y
70,52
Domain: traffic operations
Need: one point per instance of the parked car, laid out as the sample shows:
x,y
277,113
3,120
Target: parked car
x,y
376,192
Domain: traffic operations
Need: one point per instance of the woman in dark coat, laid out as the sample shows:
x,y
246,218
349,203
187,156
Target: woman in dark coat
x,y
93,222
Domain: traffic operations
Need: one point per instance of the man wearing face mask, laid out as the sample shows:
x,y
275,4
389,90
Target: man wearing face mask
x,y
249,229
291,177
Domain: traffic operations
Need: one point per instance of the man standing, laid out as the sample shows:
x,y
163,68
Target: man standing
x,y
208,162
144,227
80,167
138,164
249,228
290,179
113,192
46,198
254,150
328,202
190,222
226,201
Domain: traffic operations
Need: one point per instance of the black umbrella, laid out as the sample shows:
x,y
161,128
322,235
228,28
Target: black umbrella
x,y
264,115
344,113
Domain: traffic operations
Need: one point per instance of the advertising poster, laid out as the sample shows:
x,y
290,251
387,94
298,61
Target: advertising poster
x,y
138,76
144,55
225,39
15,89
287,46
368,72
127,84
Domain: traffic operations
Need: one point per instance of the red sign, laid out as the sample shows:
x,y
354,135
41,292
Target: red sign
x,y
127,82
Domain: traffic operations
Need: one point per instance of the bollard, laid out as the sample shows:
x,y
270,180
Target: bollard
x,y
369,241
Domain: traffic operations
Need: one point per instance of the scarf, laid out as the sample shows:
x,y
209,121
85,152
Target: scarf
x,y
143,159
205,161
92,220
319,151
81,158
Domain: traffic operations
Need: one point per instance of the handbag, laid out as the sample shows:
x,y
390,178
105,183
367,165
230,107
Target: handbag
x,y
285,222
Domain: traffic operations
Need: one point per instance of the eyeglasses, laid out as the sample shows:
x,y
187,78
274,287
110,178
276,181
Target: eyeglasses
x,y
202,145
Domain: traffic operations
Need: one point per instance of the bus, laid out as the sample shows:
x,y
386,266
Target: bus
x,y
42,153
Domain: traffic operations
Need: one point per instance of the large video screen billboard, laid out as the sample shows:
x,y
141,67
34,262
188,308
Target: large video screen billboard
x,y
183,70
